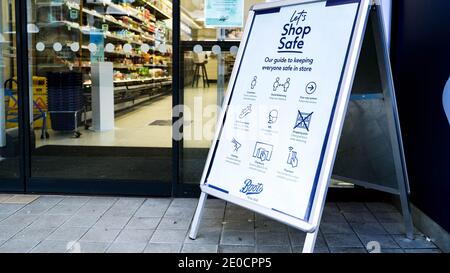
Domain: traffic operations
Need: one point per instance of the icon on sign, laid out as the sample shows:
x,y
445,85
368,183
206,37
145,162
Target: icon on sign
x,y
247,110
284,86
263,151
273,116
311,88
292,158
223,18
236,144
303,120
253,83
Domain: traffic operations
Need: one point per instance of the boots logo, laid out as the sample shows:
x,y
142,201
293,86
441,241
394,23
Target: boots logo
x,y
251,188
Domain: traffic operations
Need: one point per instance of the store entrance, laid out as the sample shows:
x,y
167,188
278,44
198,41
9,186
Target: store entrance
x,y
101,71
99,94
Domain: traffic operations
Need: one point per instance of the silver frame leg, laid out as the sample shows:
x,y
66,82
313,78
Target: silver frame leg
x,y
387,83
406,212
310,241
198,215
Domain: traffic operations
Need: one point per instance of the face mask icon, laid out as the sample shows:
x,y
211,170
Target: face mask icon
x,y
446,99
273,116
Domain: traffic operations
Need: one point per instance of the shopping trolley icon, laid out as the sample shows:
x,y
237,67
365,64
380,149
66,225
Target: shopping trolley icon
x,y
303,120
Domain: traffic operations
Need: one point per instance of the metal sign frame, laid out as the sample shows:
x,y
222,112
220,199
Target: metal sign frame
x,y
312,225
387,97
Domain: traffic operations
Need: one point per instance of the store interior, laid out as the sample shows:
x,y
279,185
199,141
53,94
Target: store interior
x,y
101,88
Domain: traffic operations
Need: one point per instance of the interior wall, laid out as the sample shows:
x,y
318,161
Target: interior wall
x,y
421,61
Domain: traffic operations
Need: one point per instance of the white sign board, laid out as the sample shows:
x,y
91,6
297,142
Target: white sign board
x,y
285,105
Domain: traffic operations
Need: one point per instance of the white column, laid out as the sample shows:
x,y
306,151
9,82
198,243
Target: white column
x,y
102,96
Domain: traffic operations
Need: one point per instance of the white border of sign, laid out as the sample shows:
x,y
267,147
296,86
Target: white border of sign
x,y
336,126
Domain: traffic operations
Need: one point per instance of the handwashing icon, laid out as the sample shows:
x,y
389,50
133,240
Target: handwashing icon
x,y
292,158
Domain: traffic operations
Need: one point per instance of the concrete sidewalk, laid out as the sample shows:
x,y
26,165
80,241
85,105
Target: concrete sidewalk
x,y
30,223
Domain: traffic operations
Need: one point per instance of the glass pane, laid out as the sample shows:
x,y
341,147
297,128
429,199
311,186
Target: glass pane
x,y
204,90
102,89
9,126
206,74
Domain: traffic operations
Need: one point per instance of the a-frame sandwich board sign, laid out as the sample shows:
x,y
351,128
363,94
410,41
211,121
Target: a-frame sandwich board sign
x,y
282,117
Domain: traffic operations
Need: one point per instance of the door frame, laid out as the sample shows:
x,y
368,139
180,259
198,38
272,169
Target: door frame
x,y
25,183
182,188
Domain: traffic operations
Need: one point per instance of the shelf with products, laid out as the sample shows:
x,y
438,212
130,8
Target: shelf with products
x,y
124,36
120,60
130,91
116,66
138,81
116,26
134,18
162,10
125,21
135,40
141,73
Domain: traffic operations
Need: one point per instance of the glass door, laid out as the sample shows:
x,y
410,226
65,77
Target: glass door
x,y
207,59
101,93
10,148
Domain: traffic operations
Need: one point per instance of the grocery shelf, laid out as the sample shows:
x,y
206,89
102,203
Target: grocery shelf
x,y
105,18
144,79
164,80
156,65
119,24
161,14
86,30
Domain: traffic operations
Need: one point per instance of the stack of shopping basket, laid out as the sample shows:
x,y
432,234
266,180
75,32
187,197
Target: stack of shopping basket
x,y
65,100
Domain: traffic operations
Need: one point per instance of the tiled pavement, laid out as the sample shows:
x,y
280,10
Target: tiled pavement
x,y
117,224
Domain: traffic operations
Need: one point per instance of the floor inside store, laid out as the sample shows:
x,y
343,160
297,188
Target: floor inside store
x,y
139,147
133,128
148,124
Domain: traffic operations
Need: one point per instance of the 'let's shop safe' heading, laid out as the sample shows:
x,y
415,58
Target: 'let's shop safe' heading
x,y
293,33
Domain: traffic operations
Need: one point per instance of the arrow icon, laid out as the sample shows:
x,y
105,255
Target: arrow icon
x,y
311,88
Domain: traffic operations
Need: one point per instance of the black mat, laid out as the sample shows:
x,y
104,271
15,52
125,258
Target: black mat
x,y
9,168
131,163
